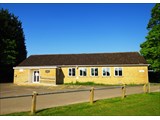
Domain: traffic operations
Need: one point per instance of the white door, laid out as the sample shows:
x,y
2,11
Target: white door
x,y
35,76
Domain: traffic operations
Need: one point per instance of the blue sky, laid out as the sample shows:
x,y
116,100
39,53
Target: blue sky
x,y
82,28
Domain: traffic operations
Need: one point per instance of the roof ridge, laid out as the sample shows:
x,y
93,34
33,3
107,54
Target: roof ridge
x,y
82,53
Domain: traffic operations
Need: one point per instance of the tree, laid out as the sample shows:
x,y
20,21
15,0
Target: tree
x,y
150,49
12,44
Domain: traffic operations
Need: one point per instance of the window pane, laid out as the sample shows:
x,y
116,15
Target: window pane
x,y
104,71
80,72
108,73
120,71
69,72
73,71
37,78
34,78
92,71
85,72
96,71
116,71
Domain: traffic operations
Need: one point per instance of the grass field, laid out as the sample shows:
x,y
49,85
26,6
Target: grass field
x,y
132,105
98,84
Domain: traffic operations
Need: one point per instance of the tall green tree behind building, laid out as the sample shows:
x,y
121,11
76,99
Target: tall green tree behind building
x,y
12,44
150,49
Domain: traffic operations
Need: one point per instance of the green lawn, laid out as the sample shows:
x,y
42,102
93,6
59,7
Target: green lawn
x,y
132,105
98,84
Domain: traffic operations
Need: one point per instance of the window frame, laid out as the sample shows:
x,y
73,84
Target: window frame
x,y
107,71
71,68
94,71
82,68
118,73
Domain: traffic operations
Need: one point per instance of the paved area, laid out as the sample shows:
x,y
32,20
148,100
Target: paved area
x,y
46,101
12,89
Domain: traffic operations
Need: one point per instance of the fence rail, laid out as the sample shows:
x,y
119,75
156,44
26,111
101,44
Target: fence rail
x,y
146,89
59,92
17,96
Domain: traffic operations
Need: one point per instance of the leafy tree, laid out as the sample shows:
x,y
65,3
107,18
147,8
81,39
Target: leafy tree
x,y
12,44
150,49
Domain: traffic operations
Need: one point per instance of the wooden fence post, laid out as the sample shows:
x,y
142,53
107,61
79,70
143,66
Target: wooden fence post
x,y
149,88
33,107
92,95
123,91
144,88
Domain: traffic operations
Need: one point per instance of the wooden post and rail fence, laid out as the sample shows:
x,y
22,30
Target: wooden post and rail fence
x,y
123,91
92,95
33,106
146,89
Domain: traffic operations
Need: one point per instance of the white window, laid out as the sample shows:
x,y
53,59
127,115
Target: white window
x,y
118,71
106,71
82,71
71,71
94,71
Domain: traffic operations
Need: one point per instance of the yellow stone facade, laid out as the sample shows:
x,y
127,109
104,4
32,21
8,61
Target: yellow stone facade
x,y
21,76
25,75
130,75
48,76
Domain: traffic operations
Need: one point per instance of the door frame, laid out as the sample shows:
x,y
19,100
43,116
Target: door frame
x,y
35,77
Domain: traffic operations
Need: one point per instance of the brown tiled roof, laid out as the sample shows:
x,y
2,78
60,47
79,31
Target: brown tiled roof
x,y
84,59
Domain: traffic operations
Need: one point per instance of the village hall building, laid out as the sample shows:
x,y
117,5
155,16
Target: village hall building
x,y
103,68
